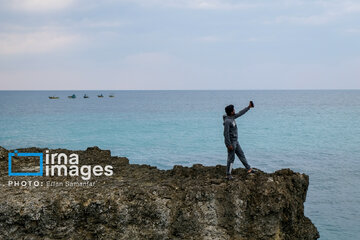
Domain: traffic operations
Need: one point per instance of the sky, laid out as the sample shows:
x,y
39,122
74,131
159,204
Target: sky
x,y
179,44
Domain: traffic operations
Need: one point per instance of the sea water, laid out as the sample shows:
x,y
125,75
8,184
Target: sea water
x,y
313,132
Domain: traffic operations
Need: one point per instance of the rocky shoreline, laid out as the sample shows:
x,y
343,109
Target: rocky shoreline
x,y
143,202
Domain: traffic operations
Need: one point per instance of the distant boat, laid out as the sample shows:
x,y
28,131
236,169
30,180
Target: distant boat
x,y
86,96
53,97
100,95
111,95
72,96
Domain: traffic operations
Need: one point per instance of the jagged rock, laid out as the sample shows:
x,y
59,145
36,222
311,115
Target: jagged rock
x,y
3,154
143,202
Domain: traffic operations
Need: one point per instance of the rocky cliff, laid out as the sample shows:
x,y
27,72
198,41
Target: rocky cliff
x,y
143,202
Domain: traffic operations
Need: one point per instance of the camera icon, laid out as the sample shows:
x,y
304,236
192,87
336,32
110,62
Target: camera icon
x,y
15,153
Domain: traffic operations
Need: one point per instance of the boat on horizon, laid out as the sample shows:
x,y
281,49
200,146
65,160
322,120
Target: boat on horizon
x,y
86,96
100,96
72,96
111,95
53,97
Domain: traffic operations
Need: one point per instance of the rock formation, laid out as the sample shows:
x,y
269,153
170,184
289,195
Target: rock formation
x,y
143,202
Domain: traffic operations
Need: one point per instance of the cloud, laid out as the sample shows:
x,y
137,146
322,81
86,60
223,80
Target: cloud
x,y
151,70
149,58
214,4
232,39
351,6
35,42
38,5
197,4
112,23
307,20
353,30
325,12
210,39
332,5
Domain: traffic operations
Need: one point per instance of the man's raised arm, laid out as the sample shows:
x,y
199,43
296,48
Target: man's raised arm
x,y
242,112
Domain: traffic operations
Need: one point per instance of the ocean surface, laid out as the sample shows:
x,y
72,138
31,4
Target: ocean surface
x,y
313,132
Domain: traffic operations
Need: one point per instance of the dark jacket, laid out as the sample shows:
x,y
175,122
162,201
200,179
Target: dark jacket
x,y
230,128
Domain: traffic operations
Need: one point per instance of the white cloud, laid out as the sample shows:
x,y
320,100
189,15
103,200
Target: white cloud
x,y
198,4
333,5
217,4
221,39
89,23
35,42
38,5
210,39
351,6
352,30
149,59
151,70
325,11
307,20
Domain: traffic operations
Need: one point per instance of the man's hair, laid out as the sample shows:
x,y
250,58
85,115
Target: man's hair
x,y
229,109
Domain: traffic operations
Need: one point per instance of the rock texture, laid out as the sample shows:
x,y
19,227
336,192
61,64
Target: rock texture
x,y
143,202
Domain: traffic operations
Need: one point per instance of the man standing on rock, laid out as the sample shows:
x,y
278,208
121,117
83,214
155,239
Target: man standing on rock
x,y
231,138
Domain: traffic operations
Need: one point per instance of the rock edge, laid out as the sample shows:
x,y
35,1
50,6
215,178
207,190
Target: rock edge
x,y
143,202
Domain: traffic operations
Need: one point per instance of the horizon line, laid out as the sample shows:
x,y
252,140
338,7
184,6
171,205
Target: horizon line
x,y
290,89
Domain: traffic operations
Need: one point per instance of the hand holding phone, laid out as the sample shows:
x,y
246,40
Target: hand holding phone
x,y
251,105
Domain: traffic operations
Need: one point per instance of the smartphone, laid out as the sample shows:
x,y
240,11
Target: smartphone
x,y
251,104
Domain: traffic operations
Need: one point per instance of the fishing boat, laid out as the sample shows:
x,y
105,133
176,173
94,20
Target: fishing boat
x,y
100,95
53,97
86,96
72,96
111,95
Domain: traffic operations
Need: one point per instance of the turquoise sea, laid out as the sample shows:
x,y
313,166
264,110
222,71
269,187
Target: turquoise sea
x,y
316,132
